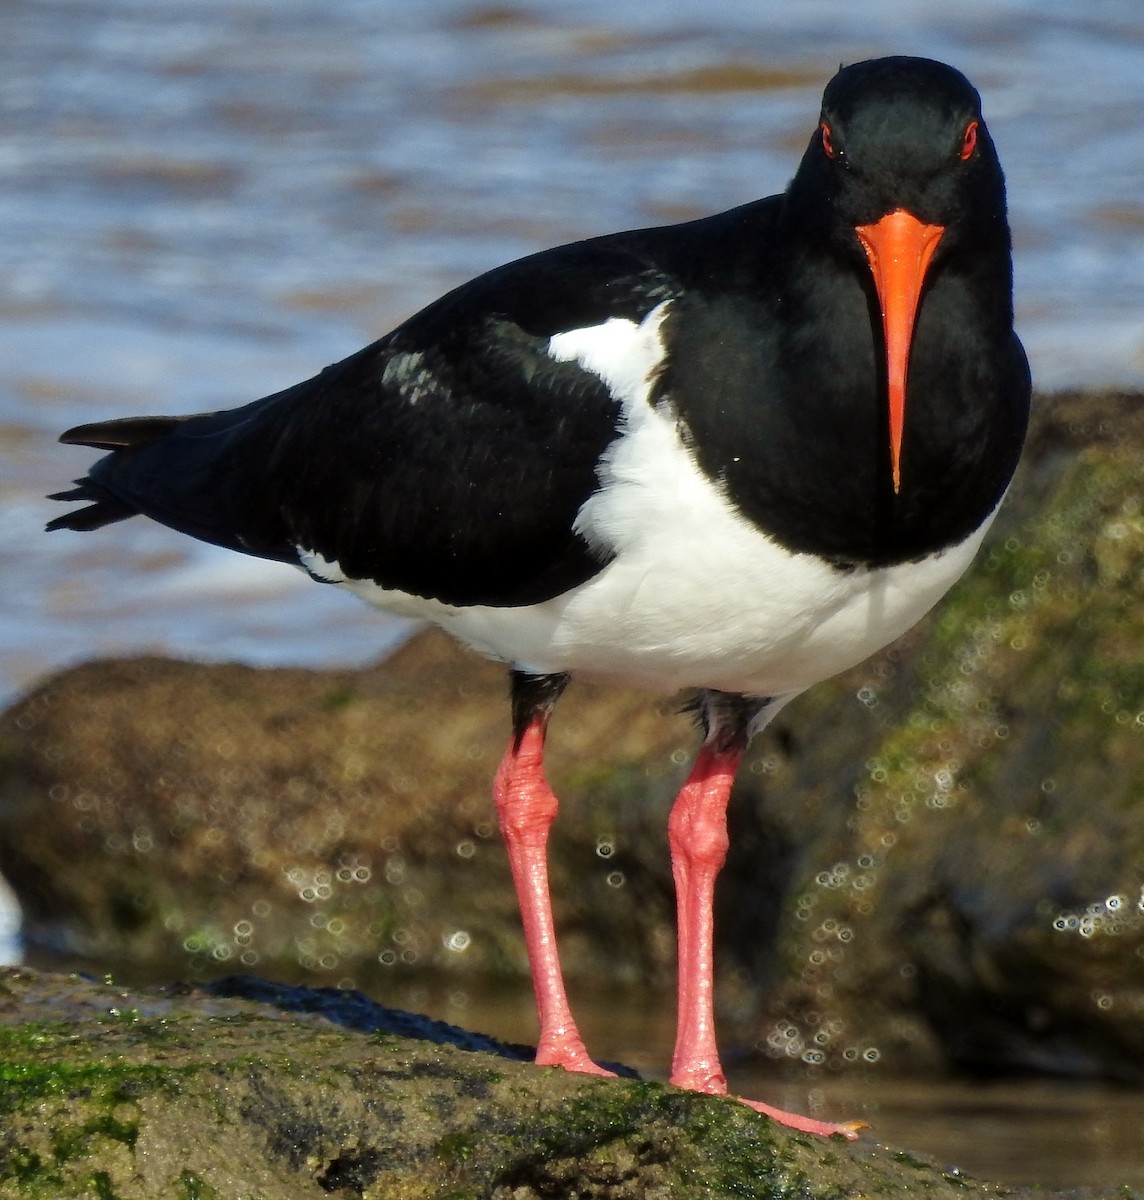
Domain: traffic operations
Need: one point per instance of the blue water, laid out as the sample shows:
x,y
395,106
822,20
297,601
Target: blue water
x,y
202,203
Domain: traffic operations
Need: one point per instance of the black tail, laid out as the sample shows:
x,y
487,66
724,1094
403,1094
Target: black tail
x,y
203,474
104,507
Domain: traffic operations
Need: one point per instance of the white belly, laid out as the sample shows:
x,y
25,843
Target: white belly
x,y
758,620
694,596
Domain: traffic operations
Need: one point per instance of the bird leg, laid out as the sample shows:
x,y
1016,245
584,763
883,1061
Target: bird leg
x,y
527,807
697,833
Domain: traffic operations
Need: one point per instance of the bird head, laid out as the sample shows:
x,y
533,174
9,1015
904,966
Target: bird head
x,y
899,175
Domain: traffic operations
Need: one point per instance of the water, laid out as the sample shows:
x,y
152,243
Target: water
x,y
203,203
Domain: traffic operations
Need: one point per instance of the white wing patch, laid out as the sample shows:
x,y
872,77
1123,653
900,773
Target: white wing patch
x,y
407,373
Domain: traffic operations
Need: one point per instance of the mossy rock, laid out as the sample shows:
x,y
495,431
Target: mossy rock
x,y
172,1095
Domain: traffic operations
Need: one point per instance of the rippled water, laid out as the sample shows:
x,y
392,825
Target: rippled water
x,y
203,203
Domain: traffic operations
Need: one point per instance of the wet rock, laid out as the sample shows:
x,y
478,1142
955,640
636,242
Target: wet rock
x,y
252,817
937,857
165,1094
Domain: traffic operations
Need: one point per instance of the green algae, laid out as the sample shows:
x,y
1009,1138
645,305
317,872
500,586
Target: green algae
x,y
195,1188
23,1082
179,1102
84,1106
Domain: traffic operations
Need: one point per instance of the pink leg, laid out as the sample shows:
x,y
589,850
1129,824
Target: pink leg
x,y
697,832
527,808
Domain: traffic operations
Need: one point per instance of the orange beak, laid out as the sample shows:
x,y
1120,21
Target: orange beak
x,y
899,248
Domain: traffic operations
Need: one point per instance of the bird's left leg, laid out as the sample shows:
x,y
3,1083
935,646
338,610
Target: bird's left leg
x,y
697,832
527,807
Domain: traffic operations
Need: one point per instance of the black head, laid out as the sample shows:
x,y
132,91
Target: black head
x,y
901,133
901,179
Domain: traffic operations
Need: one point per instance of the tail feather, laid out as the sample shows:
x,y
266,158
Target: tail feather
x,y
104,507
119,434
199,474
105,510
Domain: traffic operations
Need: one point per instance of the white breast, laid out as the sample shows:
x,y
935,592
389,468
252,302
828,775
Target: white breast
x,y
694,595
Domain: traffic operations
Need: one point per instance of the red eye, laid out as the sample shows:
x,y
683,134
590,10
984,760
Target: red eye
x,y
827,145
970,142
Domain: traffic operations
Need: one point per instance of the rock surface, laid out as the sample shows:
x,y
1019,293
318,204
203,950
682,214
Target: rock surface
x,y
261,816
938,857
173,1094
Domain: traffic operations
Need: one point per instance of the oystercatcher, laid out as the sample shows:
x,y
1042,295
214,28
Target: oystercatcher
x,y
735,455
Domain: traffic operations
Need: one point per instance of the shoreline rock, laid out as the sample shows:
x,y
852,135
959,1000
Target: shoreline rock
x,y
173,1093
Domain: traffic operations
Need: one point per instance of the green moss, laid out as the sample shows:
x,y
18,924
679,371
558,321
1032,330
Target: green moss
x,y
101,1185
22,1165
194,1188
118,1123
702,1147
457,1146
80,1092
909,1160
23,1082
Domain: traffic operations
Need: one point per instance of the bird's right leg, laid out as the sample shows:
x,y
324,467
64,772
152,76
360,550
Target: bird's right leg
x,y
697,832
527,807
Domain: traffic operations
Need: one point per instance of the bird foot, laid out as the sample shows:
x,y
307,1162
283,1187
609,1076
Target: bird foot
x,y
707,1078
569,1053
847,1129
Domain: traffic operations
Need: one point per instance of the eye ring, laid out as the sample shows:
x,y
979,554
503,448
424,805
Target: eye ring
x,y
827,144
969,142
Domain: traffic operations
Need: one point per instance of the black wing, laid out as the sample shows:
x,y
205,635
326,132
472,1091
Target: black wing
x,y
448,460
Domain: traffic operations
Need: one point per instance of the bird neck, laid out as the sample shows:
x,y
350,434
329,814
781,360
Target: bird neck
x,y
781,390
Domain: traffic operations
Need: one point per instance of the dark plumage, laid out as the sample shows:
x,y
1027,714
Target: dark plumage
x,y
735,455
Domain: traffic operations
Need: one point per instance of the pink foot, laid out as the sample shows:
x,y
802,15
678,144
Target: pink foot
x,y
706,1077
698,835
568,1051
848,1129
